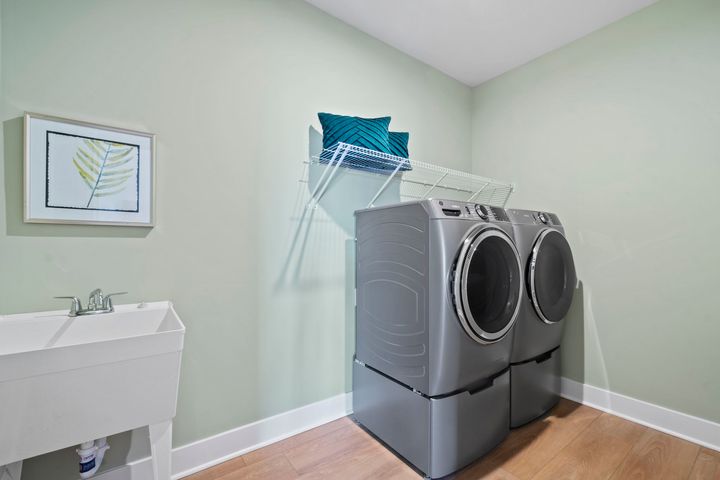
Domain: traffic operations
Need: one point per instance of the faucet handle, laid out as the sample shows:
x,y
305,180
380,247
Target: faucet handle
x,y
107,301
75,307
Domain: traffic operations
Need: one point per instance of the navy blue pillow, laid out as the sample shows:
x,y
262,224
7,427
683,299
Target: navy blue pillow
x,y
369,133
399,147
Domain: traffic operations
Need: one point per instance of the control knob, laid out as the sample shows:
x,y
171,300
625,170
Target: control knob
x,y
543,218
482,211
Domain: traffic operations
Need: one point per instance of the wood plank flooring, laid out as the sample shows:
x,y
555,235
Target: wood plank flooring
x,y
572,442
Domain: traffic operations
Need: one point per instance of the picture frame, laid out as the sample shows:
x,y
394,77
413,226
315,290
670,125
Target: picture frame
x,y
84,173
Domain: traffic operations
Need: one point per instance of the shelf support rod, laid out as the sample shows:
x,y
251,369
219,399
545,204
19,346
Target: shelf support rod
x,y
387,182
478,192
322,177
317,195
432,187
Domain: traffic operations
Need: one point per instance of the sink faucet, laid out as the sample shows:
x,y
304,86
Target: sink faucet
x,y
98,303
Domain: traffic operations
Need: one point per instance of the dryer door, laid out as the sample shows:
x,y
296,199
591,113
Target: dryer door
x,y
487,284
551,278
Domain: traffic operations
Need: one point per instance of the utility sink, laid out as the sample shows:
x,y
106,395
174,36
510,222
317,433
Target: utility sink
x,y
67,380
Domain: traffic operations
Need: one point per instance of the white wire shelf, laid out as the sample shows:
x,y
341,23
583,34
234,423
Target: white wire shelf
x,y
414,180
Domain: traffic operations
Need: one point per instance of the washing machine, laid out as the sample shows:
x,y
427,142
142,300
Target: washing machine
x,y
438,290
550,283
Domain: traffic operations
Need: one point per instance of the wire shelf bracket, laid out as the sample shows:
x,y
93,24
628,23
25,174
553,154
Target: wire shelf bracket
x,y
417,179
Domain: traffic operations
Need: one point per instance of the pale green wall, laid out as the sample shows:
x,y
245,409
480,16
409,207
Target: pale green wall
x,y
619,133
230,88
616,132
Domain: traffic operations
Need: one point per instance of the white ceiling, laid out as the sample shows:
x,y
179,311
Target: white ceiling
x,y
476,40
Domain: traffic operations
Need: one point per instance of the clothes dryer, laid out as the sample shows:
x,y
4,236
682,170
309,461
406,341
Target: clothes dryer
x,y
549,285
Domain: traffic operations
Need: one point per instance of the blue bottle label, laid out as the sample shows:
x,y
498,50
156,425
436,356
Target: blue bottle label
x,y
87,466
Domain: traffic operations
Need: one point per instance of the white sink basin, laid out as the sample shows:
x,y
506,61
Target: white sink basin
x,y
66,380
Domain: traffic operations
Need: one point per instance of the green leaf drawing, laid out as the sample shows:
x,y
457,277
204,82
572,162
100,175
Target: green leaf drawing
x,y
103,167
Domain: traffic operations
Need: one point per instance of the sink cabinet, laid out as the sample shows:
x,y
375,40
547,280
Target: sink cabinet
x,y
66,380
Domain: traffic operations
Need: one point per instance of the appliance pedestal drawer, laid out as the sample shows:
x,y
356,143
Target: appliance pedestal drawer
x,y
438,435
534,387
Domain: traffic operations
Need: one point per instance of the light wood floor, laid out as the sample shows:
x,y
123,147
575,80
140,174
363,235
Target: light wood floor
x,y
574,441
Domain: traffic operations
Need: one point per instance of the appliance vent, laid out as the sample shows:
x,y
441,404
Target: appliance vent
x,y
499,214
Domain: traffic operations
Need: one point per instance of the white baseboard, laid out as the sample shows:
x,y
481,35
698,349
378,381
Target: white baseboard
x,y
205,453
694,429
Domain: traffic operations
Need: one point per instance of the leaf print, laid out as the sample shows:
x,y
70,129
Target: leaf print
x,y
115,156
87,157
96,147
87,178
99,165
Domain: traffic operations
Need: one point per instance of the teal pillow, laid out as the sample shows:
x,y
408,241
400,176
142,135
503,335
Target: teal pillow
x,y
399,147
369,133
399,143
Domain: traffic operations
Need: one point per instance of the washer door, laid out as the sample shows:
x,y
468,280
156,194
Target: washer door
x,y
487,284
551,279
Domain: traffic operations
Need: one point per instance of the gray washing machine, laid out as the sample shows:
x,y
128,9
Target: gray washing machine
x,y
550,282
439,286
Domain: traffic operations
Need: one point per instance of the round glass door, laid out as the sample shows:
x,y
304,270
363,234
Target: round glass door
x,y
487,285
552,276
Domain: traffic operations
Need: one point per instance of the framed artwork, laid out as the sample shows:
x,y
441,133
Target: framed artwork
x,y
82,173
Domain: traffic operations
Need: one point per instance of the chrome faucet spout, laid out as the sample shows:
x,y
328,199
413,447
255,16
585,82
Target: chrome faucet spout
x,y
96,299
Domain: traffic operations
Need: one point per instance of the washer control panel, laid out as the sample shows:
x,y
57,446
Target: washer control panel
x,y
450,208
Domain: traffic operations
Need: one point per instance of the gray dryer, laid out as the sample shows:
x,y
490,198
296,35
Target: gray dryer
x,y
439,286
550,282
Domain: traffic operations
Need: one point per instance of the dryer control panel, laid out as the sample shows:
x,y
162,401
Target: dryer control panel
x,y
532,217
546,218
451,208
